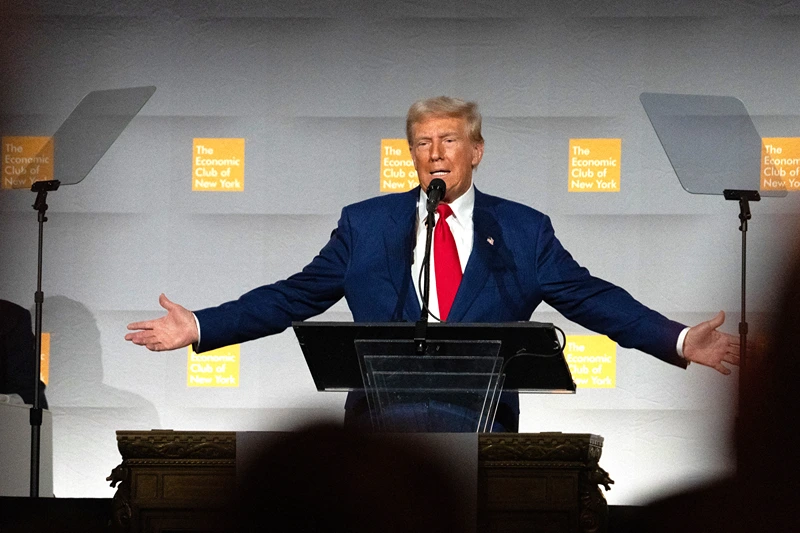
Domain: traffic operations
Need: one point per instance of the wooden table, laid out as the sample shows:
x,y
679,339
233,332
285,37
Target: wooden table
x,y
182,480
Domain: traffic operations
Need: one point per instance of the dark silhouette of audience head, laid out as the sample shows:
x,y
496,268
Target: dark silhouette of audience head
x,y
762,495
767,472
328,479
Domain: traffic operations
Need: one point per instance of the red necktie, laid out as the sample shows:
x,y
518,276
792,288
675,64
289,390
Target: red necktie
x,y
445,259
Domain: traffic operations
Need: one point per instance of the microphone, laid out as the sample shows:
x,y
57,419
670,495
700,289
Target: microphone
x,y
436,191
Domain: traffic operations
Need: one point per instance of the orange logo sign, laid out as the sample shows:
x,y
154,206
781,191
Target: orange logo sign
x,y
218,165
594,165
25,161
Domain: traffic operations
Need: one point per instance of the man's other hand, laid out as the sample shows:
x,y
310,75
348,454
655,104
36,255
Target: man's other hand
x,y
174,330
707,346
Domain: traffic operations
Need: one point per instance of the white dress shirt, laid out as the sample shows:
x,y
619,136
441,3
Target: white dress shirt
x,y
460,223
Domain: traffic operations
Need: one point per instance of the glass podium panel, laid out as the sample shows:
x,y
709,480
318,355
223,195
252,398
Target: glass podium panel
x,y
454,387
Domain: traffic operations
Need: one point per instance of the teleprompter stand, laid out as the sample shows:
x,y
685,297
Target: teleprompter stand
x,y
714,148
744,198
453,386
78,145
41,188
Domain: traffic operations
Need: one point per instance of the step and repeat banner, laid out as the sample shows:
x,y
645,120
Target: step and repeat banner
x,y
289,111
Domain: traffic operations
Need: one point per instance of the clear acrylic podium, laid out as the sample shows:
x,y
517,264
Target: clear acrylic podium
x,y
433,392
453,386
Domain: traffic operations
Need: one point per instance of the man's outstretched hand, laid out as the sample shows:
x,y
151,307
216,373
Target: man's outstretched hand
x,y
707,346
176,329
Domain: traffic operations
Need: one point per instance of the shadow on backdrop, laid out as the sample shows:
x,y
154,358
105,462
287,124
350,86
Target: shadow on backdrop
x,y
86,411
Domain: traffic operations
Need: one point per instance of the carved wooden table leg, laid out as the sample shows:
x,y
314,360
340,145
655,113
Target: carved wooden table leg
x,y
544,482
174,480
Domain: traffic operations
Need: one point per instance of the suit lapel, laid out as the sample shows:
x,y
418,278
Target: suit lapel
x,y
398,239
485,244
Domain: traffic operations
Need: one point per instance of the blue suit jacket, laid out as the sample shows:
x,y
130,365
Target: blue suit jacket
x,y
516,263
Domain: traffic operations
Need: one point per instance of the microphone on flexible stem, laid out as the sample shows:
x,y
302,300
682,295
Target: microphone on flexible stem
x,y
436,191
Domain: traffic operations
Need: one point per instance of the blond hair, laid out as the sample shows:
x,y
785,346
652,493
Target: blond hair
x,y
445,106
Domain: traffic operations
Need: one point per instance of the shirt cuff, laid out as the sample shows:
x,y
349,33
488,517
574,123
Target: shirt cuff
x,y
197,323
679,347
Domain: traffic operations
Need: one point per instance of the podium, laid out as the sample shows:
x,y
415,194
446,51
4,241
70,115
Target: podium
x,y
451,381
453,387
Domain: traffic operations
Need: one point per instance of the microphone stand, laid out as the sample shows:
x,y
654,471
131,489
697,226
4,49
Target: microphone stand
x,y
41,189
421,328
435,193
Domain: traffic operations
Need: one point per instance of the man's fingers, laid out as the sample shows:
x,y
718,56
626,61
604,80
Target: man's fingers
x,y
147,324
732,351
147,339
733,340
151,342
721,369
139,338
731,358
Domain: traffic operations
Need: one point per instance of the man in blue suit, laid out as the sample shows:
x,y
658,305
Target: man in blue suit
x,y
508,256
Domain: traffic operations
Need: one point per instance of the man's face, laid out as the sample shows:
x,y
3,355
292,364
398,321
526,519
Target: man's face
x,y
441,148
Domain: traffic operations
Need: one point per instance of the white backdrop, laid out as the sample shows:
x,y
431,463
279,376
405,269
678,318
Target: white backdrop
x,y
312,90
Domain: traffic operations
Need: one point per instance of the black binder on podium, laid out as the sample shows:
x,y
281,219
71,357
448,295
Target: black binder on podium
x,y
463,366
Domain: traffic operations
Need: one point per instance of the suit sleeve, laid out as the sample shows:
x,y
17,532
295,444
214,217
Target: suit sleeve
x,y
601,306
272,308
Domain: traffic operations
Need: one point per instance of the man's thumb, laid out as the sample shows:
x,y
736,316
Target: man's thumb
x,y
165,302
717,321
